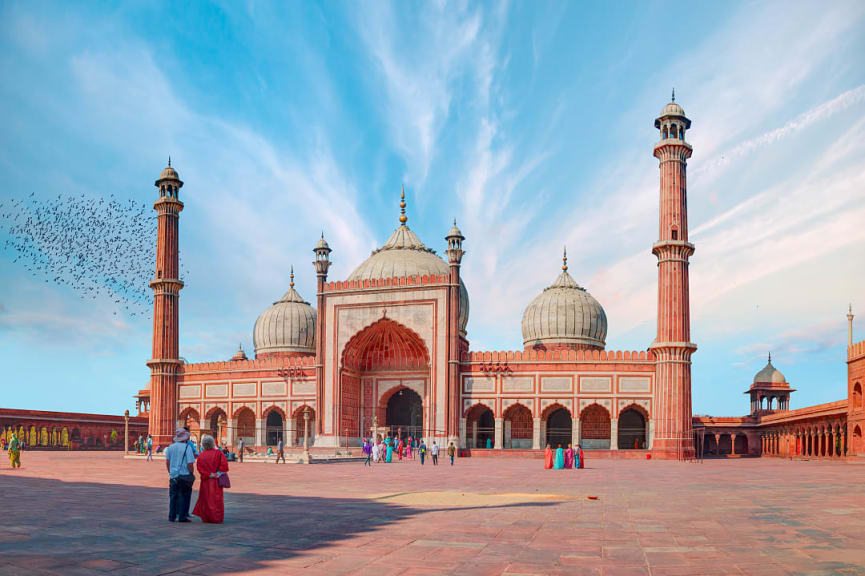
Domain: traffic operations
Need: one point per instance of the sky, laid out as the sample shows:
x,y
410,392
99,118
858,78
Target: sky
x,y
531,123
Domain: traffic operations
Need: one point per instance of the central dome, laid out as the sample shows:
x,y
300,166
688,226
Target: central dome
x,y
565,316
403,256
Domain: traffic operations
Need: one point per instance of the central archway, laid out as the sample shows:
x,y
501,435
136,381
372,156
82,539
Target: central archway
x,y
404,414
383,378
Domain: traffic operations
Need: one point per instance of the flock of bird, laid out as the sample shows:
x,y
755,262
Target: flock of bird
x,y
101,248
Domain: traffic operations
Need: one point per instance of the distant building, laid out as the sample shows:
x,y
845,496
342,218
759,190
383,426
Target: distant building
x,y
69,430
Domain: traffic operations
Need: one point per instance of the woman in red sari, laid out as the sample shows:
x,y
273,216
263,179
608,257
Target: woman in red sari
x,y
548,458
211,465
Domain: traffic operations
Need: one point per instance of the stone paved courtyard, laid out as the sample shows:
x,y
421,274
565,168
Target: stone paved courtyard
x,y
93,513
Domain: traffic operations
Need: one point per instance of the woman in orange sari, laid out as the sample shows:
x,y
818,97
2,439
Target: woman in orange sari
x,y
548,458
211,465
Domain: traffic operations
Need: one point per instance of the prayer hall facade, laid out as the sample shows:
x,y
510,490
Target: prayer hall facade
x,y
386,350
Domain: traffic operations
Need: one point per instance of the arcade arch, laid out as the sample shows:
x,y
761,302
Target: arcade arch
x,y
595,427
217,425
632,424
558,426
300,424
274,426
517,427
480,427
244,422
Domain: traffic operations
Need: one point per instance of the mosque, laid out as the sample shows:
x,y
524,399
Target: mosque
x,y
386,351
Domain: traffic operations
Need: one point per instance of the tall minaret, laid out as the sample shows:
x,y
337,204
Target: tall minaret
x,y
673,435
165,362
849,325
322,265
455,255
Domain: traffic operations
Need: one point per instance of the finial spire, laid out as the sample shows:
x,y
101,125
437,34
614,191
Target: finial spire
x,y
674,94
402,217
770,357
169,159
291,276
565,259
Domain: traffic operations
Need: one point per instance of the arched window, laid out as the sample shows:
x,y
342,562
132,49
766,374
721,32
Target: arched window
x,y
682,133
666,135
673,131
857,396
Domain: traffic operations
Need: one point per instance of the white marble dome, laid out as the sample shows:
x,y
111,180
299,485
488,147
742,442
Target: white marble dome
x,y
404,255
286,327
564,314
769,375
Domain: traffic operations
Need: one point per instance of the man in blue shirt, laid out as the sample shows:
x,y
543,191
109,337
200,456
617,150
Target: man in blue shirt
x,y
180,463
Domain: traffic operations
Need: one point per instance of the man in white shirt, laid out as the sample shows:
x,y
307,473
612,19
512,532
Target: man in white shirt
x,y
435,453
180,463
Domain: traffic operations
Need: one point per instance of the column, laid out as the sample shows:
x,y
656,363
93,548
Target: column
x,y
231,423
544,432
260,425
475,434
614,433
843,442
536,433
732,444
650,436
508,437
499,425
717,444
575,431
290,431
462,441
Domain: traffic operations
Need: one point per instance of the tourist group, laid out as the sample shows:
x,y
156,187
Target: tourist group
x,y
559,459
384,450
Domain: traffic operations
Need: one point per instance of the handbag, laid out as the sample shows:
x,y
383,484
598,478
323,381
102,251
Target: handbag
x,y
222,481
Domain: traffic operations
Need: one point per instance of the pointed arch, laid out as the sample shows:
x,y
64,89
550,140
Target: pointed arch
x,y
385,345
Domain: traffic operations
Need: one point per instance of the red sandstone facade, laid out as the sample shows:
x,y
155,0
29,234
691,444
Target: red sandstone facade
x,y
67,430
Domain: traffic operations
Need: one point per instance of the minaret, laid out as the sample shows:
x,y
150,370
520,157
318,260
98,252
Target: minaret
x,y
165,361
673,435
849,325
455,256
322,264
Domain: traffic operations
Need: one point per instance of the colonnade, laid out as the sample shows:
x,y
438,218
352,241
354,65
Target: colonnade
x,y
822,440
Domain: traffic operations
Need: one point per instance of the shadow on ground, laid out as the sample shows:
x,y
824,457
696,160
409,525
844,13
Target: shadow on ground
x,y
53,527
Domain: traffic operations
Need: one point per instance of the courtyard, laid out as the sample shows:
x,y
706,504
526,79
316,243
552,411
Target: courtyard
x,y
89,513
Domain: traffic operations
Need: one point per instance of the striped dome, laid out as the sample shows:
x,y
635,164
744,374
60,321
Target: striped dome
x,y
286,327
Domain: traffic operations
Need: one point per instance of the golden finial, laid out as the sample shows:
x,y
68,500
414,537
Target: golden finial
x,y
291,276
402,217
565,260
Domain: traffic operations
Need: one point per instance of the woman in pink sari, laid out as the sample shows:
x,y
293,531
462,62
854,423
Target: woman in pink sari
x,y
211,465
569,457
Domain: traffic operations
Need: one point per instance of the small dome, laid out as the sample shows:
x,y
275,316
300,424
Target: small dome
x,y
286,327
239,355
672,109
321,244
769,375
564,314
455,232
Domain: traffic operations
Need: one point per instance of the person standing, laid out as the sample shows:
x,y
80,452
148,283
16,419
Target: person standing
x,y
280,451
376,451
560,458
140,447
149,444
421,451
434,451
451,452
211,465
409,447
569,457
489,444
180,463
578,458
240,449
548,457
389,451
14,452
367,449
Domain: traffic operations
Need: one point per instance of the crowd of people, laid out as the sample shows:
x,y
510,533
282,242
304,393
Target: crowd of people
x,y
383,450
559,459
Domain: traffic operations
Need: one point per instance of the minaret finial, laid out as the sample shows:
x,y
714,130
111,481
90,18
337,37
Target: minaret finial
x,y
565,259
770,357
674,94
291,276
169,159
402,217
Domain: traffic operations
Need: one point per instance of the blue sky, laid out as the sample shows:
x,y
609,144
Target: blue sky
x,y
530,122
